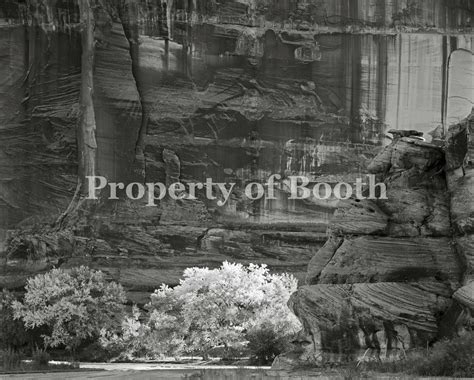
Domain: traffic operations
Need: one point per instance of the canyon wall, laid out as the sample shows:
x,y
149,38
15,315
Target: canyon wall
x,y
235,91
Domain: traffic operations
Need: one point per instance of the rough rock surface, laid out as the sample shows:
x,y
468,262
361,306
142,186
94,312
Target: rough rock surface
x,y
392,274
234,90
379,259
460,179
342,321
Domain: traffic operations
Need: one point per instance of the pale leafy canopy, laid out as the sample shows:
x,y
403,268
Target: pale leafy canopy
x,y
215,307
209,308
73,304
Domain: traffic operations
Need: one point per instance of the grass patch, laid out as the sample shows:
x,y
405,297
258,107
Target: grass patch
x,y
453,357
12,361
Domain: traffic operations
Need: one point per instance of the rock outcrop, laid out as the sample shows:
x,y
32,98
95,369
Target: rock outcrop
x,y
395,273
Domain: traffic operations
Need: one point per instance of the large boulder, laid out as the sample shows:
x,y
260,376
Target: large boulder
x,y
341,322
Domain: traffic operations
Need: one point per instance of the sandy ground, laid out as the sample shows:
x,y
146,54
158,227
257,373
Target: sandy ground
x,y
142,371
170,372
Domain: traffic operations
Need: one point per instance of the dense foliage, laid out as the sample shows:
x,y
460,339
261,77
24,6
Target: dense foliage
x,y
12,332
212,308
74,305
453,357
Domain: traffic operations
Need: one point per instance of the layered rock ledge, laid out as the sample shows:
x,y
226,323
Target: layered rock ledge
x,y
395,273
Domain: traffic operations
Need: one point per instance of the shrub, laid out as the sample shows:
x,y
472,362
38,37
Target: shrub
x,y
74,305
453,357
10,359
95,352
265,345
41,357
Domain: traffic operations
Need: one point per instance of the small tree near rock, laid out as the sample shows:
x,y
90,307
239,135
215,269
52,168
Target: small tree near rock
x,y
74,305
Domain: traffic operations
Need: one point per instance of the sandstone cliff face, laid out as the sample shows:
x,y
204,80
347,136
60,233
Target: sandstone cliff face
x,y
235,91
460,179
397,273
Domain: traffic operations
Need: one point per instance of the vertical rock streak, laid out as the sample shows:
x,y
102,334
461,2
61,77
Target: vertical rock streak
x,y
87,123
